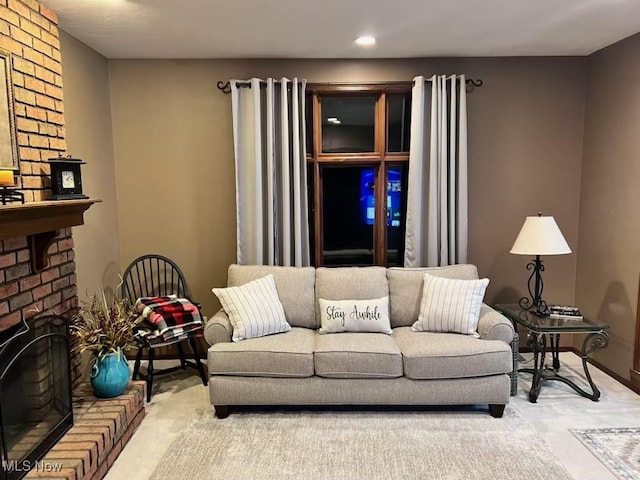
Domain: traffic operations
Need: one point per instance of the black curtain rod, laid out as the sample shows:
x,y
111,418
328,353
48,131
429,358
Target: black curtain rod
x,y
225,87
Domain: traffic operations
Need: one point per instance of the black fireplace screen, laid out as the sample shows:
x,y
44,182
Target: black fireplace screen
x,y
35,392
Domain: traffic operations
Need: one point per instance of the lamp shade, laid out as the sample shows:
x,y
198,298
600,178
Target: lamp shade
x,y
6,178
540,236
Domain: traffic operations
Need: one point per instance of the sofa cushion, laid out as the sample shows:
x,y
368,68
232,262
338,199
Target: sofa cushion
x,y
428,356
357,355
254,309
295,289
355,316
350,283
405,289
287,354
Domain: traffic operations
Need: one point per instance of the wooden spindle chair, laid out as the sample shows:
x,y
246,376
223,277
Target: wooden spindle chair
x,y
150,276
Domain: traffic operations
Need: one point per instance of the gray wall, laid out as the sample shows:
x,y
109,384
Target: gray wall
x,y
609,250
174,157
89,137
172,146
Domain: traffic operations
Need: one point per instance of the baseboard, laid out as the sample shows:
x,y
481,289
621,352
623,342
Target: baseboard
x,y
633,384
627,383
635,377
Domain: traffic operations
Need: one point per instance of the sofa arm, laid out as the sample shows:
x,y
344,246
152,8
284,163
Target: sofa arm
x,y
494,326
218,328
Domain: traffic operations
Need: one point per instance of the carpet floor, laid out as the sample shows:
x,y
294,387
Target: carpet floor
x,y
617,448
178,397
353,445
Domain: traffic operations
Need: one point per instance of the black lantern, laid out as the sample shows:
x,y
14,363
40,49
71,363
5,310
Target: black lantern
x,y
66,180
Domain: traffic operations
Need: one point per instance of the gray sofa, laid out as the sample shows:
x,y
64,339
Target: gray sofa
x,y
303,367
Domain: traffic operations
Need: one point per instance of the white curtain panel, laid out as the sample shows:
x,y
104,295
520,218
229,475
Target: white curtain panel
x,y
437,204
271,171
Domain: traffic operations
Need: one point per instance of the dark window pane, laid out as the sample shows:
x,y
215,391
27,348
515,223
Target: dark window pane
x,y
396,213
311,212
309,124
348,201
399,122
348,124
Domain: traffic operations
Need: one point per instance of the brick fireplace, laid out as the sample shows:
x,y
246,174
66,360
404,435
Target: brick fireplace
x,y
24,294
28,285
37,364
35,392
38,276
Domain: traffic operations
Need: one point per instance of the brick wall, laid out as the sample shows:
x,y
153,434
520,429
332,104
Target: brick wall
x,y
29,31
24,294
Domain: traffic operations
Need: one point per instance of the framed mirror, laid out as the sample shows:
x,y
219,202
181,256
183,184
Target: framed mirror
x,y
8,138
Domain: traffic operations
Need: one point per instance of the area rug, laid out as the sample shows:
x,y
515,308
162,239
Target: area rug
x,y
617,448
348,445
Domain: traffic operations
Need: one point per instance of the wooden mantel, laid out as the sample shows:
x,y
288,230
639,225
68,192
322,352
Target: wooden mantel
x,y
40,222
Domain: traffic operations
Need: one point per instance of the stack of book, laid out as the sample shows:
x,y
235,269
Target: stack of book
x,y
564,312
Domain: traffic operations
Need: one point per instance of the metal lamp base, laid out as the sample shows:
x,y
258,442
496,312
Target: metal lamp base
x,y
534,302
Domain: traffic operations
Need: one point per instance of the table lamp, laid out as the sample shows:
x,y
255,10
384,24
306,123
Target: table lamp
x,y
9,195
539,236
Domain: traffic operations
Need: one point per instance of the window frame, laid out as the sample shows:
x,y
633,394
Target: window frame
x,y
380,159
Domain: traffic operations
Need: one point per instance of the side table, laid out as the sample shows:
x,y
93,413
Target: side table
x,y
541,329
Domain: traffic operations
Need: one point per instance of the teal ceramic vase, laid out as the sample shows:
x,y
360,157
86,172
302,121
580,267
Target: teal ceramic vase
x,y
110,375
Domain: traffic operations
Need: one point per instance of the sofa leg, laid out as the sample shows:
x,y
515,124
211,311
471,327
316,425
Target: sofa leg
x,y
496,410
222,411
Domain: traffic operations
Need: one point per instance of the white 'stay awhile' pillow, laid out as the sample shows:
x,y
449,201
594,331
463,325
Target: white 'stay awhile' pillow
x,y
355,316
450,305
254,309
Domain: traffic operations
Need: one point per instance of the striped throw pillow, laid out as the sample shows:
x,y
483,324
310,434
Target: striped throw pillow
x,y
254,309
450,305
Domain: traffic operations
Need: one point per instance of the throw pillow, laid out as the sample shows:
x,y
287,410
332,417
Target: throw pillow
x,y
450,305
254,309
355,315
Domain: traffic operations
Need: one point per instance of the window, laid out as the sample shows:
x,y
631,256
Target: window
x,y
358,154
348,124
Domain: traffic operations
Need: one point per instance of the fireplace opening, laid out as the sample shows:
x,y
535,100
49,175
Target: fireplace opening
x,y
35,392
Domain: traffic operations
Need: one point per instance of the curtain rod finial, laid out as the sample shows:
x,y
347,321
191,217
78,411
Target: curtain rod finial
x,y
224,87
472,83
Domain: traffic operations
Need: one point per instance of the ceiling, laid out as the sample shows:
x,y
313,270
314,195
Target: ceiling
x,y
327,28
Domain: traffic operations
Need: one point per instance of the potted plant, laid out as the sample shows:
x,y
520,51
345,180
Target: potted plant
x,y
105,327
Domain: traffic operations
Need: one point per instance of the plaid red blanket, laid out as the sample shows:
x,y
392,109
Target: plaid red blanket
x,y
166,319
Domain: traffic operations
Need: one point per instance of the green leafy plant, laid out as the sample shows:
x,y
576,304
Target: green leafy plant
x,y
104,325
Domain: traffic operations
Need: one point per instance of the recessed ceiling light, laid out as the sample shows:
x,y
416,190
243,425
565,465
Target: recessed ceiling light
x,y
334,120
365,40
